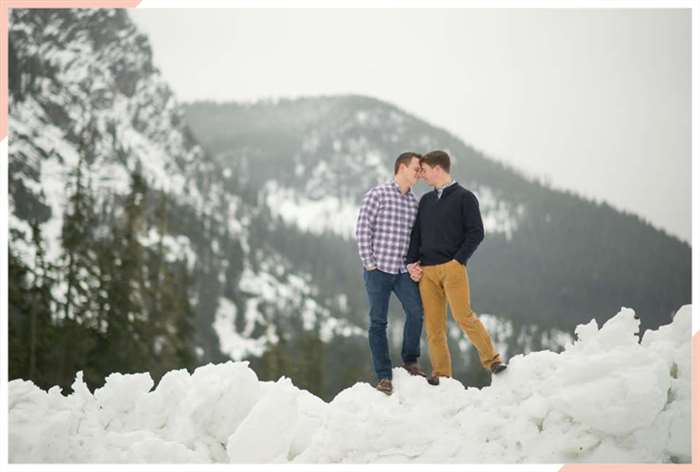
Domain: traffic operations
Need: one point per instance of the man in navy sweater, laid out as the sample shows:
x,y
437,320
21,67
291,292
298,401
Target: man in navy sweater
x,y
447,231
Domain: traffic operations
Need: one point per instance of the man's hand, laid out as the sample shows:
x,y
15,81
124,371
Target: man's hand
x,y
415,271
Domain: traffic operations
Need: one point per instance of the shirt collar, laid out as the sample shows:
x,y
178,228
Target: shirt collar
x,y
398,189
440,189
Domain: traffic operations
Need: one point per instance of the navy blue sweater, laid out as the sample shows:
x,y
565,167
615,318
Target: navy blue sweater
x,y
446,228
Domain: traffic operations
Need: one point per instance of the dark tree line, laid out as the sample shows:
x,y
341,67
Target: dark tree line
x,y
110,303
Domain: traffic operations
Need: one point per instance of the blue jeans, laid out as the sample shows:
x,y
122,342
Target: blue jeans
x,y
379,286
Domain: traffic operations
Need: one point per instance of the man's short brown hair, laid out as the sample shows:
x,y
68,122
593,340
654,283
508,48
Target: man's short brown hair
x,y
437,158
405,159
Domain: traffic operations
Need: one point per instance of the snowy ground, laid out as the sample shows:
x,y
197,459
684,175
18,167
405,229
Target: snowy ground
x,y
606,398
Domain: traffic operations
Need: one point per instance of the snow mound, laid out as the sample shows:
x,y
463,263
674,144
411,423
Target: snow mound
x,y
608,397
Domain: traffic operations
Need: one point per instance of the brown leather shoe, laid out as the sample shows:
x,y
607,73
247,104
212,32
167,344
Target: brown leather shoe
x,y
434,380
384,386
413,368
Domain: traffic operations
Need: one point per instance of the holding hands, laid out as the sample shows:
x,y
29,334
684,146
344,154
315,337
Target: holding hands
x,y
415,271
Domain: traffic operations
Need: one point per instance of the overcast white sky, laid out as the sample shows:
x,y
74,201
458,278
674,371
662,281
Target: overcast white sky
x,y
596,101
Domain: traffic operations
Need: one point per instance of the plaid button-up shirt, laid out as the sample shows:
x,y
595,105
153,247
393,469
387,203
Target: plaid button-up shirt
x,y
383,229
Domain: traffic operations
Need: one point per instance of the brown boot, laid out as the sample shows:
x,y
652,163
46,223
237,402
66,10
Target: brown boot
x,y
384,386
413,368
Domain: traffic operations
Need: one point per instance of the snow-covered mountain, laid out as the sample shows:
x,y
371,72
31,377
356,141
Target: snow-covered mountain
x,y
609,397
550,258
88,112
314,158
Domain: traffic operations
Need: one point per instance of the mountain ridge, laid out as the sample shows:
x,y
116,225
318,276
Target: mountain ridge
x,y
320,154
140,250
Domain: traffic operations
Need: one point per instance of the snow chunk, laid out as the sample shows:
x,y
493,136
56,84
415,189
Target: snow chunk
x,y
607,398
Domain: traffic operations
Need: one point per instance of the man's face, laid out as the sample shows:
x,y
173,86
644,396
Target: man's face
x,y
412,171
428,174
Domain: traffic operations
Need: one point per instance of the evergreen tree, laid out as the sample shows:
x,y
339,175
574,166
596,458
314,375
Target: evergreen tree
x,y
171,316
127,348
31,335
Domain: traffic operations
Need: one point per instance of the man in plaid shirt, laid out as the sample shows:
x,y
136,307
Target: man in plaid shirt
x,y
383,233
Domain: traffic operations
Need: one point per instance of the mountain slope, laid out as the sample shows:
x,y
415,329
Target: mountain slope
x,y
129,235
549,257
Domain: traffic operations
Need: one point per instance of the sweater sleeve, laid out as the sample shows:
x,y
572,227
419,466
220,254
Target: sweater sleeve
x,y
473,227
364,229
414,246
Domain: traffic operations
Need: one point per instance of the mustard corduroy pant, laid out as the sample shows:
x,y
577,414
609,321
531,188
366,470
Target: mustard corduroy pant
x,y
449,283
